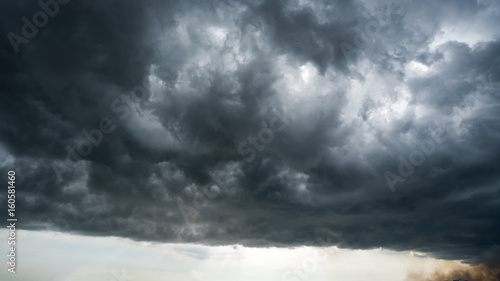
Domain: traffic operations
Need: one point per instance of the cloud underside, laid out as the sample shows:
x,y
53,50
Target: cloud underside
x,y
363,97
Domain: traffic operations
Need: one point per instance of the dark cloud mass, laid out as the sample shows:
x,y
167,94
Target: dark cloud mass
x,y
350,88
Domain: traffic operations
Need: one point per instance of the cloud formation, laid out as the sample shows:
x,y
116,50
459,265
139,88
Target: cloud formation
x,y
359,87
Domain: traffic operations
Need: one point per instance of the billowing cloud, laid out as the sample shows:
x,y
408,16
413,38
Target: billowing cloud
x,y
261,123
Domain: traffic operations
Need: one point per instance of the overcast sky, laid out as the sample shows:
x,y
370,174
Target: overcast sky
x,y
368,124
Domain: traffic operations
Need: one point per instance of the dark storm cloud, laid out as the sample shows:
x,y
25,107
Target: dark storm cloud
x,y
187,85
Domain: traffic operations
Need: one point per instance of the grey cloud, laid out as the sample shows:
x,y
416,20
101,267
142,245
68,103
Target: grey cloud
x,y
215,72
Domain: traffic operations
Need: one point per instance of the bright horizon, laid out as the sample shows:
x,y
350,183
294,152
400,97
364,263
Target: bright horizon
x,y
238,140
60,256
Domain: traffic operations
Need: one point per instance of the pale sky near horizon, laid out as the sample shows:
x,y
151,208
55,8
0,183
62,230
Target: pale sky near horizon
x,y
44,256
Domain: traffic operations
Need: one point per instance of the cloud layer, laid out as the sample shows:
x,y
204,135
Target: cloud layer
x,y
262,123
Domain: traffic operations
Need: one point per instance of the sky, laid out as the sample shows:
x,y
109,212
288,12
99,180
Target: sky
x,y
240,140
104,259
